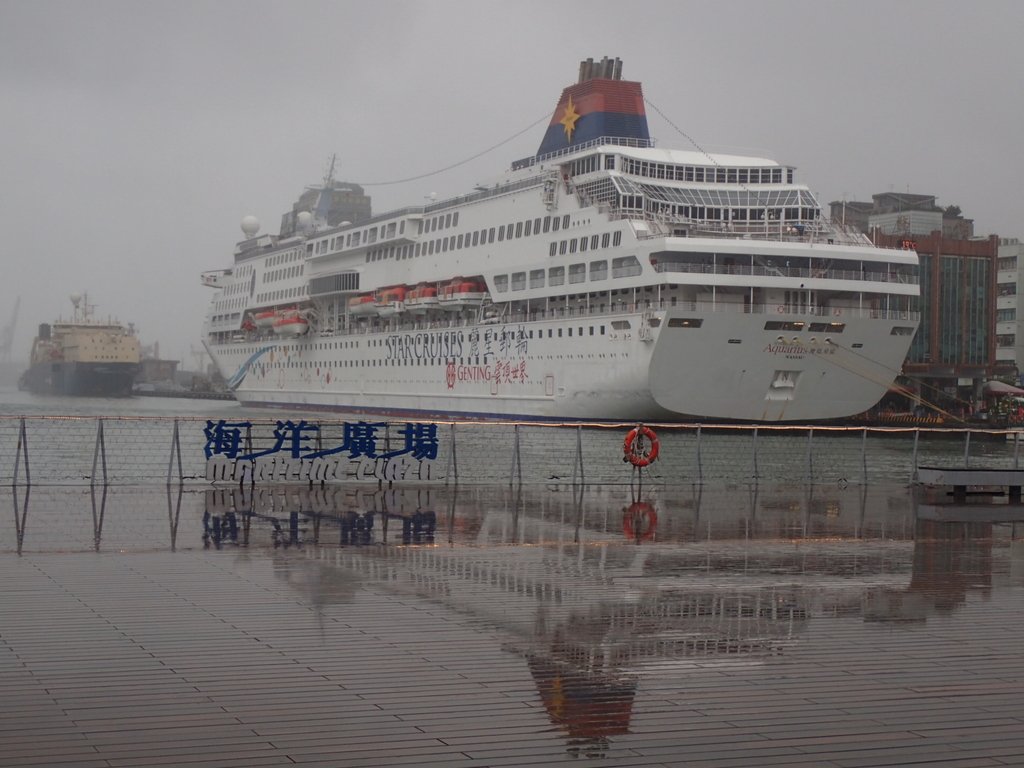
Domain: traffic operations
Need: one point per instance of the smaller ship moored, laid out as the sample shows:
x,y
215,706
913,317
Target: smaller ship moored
x,y
83,356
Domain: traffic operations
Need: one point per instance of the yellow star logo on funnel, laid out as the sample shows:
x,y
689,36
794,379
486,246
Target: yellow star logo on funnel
x,y
569,118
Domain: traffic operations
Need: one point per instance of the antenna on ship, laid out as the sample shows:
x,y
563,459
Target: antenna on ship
x,y
329,176
76,301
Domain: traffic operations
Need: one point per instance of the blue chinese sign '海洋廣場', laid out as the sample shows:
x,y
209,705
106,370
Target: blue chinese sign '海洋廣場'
x,y
302,440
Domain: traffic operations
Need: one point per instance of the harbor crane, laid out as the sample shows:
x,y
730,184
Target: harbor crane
x,y
7,334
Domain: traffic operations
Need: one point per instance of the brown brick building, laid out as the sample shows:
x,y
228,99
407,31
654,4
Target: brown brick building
x,y
954,350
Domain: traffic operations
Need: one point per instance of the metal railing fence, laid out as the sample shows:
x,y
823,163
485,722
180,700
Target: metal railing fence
x,y
67,450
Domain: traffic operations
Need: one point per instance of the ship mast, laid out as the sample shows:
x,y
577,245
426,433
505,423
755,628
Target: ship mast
x,y
329,176
83,309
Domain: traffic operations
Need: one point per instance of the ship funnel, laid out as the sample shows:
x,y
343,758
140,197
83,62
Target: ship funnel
x,y
600,105
607,69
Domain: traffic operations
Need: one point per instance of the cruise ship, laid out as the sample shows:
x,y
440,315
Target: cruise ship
x,y
603,278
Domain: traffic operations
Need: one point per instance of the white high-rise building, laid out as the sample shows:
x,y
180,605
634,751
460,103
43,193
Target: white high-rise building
x,y
1009,331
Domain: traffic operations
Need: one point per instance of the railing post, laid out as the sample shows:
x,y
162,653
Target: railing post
x,y
516,462
22,448
577,461
700,465
913,464
175,450
864,454
453,462
756,474
1016,449
387,449
967,449
98,451
810,460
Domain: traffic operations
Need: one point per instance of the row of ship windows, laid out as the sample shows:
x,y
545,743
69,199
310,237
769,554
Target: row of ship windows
x,y
284,293
626,266
705,213
552,333
322,345
561,247
284,274
427,361
355,239
434,224
385,231
444,221
526,228
284,258
701,174
236,287
220,306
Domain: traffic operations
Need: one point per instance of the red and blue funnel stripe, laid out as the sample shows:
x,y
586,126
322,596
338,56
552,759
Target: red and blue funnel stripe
x,y
596,108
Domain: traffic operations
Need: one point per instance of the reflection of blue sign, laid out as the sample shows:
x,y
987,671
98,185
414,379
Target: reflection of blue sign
x,y
299,440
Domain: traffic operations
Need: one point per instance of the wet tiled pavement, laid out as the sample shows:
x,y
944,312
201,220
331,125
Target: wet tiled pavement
x,y
730,626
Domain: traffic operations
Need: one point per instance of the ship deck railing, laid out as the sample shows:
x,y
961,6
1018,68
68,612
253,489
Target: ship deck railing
x,y
873,276
819,231
616,309
620,141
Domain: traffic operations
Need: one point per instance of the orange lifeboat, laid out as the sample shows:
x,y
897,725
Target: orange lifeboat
x,y
264,319
363,304
291,324
421,298
391,301
461,293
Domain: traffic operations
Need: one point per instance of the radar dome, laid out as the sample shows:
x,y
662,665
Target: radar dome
x,y
304,221
250,226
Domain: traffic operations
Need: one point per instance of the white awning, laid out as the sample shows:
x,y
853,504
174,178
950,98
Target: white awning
x,y
999,388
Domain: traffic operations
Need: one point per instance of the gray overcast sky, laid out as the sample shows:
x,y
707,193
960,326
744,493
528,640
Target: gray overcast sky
x,y
135,135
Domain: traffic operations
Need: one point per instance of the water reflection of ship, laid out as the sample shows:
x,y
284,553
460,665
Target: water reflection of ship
x,y
593,612
590,706
573,610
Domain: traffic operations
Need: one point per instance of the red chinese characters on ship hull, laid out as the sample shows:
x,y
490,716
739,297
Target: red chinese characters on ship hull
x,y
499,372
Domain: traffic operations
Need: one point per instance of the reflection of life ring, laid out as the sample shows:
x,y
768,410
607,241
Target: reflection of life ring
x,y
639,521
838,312
781,309
633,449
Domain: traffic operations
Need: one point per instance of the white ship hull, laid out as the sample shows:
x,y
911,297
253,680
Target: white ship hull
x,y
673,374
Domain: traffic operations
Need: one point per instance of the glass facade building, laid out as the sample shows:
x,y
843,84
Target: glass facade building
x,y
956,339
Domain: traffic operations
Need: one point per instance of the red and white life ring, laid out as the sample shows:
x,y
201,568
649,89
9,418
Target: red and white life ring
x,y
634,449
639,521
